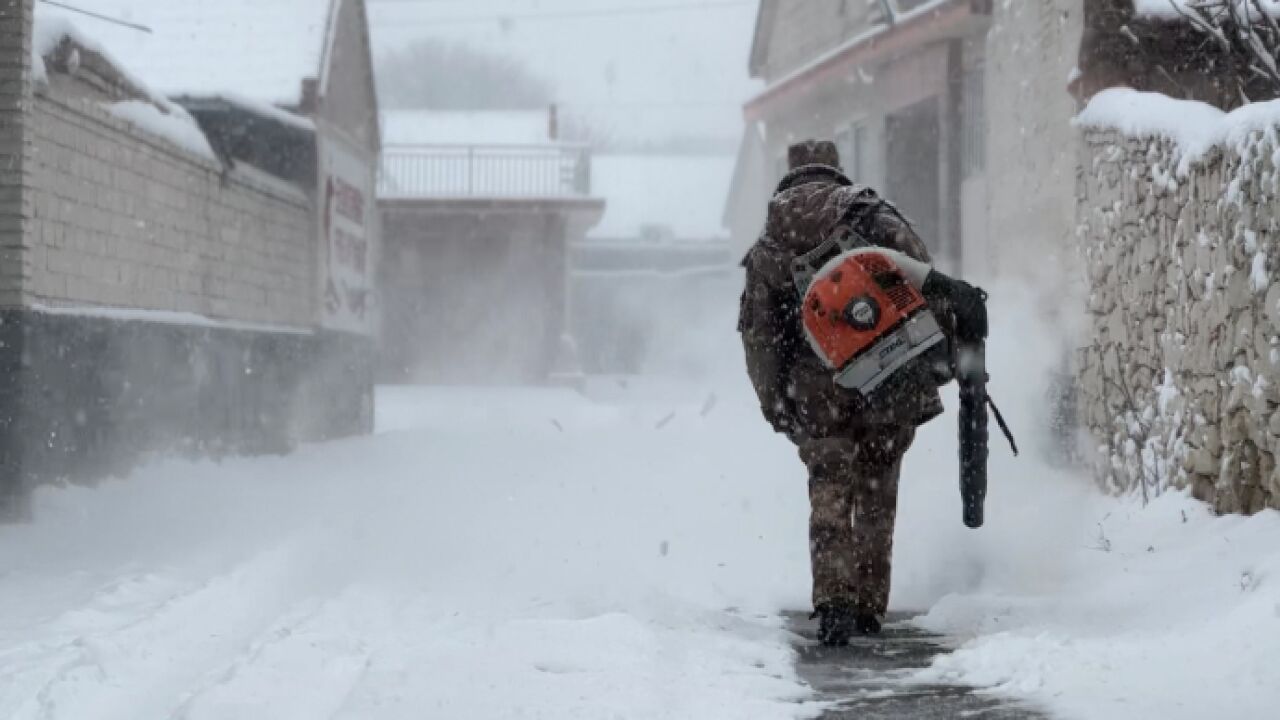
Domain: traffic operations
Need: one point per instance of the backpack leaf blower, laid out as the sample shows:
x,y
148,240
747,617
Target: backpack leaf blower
x,y
867,313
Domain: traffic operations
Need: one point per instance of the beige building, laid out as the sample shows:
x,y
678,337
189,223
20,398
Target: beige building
x,y
959,110
899,86
928,102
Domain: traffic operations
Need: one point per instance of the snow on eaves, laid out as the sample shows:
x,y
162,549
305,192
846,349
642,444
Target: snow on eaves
x,y
152,112
258,49
155,113
1195,127
173,124
864,37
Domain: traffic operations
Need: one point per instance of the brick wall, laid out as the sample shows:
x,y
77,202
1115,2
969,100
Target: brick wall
x,y
15,145
124,218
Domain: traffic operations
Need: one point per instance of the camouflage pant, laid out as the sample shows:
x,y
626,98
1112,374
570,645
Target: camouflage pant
x,y
853,498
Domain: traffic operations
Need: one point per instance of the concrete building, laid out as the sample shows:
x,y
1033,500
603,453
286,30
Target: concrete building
x,y
478,210
897,85
960,111
187,232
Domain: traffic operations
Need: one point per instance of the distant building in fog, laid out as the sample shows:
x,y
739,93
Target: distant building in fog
x,y
646,272
478,211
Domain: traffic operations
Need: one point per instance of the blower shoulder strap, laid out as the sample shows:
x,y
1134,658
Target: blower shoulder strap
x,y
805,267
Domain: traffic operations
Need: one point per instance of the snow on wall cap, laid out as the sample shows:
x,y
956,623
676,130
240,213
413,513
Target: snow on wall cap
x,y
258,49
1177,8
1195,127
50,29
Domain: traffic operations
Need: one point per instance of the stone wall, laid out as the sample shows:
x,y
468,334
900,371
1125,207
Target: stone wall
x,y
1180,383
123,218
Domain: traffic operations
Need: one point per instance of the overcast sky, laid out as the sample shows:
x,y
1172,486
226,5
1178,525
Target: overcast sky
x,y
638,75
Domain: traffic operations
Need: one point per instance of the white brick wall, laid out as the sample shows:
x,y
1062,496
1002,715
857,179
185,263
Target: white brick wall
x,y
125,219
15,146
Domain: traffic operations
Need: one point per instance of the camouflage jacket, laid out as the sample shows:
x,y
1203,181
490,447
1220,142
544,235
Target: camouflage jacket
x,y
797,392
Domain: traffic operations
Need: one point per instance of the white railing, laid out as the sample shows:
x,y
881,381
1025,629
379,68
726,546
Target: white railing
x,y
434,171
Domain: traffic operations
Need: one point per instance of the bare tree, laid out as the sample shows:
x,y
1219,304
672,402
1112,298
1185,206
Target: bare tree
x,y
436,75
1245,32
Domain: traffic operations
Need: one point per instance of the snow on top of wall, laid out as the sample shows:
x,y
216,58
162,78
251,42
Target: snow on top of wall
x,y
683,192
1176,8
156,114
259,49
432,127
176,126
1195,127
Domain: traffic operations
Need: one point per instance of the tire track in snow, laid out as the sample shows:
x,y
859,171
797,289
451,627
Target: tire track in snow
x,y
305,666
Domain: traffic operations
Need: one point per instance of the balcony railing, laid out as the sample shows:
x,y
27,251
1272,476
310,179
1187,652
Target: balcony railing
x,y
497,171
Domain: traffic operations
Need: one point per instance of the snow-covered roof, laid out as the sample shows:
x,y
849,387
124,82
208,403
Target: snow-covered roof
x,y
432,127
261,50
684,192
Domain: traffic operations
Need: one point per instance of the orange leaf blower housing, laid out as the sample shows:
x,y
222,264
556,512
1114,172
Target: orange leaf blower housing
x,y
862,312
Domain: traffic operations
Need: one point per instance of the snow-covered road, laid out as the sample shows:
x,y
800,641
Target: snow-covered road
x,y
506,553
490,554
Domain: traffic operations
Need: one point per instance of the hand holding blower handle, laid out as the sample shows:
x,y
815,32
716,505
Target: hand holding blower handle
x,y
968,304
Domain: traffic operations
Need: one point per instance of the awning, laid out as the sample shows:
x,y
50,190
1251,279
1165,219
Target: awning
x,y
928,24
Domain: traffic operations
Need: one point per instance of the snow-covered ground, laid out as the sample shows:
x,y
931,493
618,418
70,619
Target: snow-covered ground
x,y
491,554
623,553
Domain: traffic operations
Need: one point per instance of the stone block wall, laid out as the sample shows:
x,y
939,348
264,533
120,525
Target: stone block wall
x,y
1180,382
125,219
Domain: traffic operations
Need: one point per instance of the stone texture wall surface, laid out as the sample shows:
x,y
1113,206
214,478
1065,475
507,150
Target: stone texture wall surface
x,y
122,218
1180,382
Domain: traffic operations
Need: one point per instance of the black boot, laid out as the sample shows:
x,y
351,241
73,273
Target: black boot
x,y
837,621
867,624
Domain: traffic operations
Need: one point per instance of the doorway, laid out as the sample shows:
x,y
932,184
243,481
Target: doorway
x,y
912,173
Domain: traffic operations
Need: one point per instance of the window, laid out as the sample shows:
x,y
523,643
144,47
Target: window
x,y
851,141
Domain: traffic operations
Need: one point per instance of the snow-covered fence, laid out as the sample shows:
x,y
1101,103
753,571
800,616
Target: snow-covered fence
x,y
1180,225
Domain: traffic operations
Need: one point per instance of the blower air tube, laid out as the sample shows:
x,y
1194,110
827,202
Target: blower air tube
x,y
973,433
969,308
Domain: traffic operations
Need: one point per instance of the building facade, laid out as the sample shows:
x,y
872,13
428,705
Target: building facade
x,y
960,111
898,86
478,211
171,256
